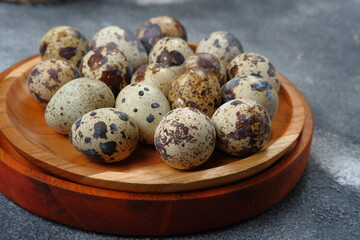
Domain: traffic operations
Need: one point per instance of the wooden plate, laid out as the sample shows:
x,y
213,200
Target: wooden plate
x,y
119,212
23,126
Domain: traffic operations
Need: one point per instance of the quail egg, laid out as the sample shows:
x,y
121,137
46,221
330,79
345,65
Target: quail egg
x,y
146,105
242,127
48,76
208,62
254,88
64,42
223,45
254,64
197,88
108,65
125,41
157,75
185,138
74,99
158,27
104,135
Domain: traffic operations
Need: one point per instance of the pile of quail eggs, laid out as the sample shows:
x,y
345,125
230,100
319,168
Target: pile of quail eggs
x,y
150,86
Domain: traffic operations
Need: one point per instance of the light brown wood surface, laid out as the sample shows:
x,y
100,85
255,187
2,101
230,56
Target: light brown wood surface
x,y
119,212
22,124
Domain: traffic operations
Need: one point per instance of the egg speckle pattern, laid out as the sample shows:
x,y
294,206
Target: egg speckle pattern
x,y
197,88
48,76
104,135
254,88
242,127
125,41
185,138
254,64
146,105
64,42
74,99
108,65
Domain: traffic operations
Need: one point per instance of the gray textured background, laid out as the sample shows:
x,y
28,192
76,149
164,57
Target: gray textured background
x,y
316,44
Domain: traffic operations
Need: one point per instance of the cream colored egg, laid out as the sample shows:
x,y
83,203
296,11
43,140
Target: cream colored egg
x,y
185,138
242,127
254,88
125,41
104,135
74,99
254,64
48,76
146,105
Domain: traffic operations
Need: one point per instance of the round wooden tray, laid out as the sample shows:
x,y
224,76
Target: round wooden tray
x,y
23,126
120,212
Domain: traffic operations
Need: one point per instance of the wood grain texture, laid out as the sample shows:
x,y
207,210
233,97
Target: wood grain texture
x,y
23,126
119,212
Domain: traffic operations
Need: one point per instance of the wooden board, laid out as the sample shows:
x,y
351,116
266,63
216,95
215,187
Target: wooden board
x,y
23,126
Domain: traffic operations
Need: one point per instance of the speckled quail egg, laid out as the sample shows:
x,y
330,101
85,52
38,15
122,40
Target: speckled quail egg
x,y
170,51
158,27
197,88
208,62
108,65
242,127
146,105
125,41
185,138
74,99
104,135
254,64
157,75
254,88
64,42
223,45
48,76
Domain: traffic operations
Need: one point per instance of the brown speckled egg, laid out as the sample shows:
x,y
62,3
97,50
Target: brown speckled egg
x,y
254,88
108,65
74,99
125,41
158,27
48,76
197,88
104,135
157,75
254,64
185,138
224,45
242,127
208,62
64,42
170,51
146,105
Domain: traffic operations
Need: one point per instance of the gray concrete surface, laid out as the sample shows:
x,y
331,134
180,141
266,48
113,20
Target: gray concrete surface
x,y
316,44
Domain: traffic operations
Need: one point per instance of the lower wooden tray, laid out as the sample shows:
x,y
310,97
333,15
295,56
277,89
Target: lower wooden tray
x,y
131,213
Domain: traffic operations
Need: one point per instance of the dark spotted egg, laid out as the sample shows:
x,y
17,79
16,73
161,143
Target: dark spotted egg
x,y
48,76
197,88
74,99
158,27
242,127
185,138
170,51
64,42
108,65
254,88
224,45
104,135
146,105
254,64
157,75
125,41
